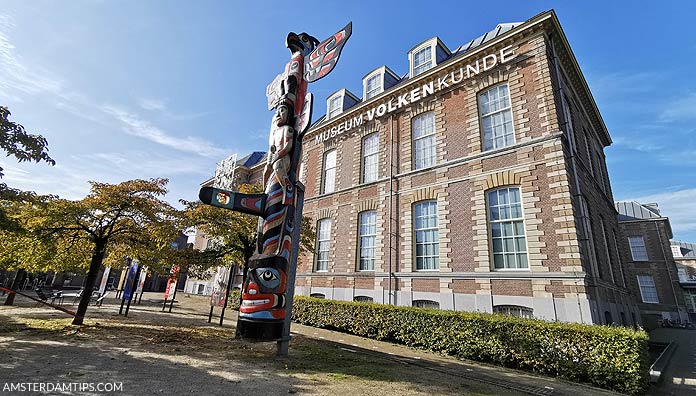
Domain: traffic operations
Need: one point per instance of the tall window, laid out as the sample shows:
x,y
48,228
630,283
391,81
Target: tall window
x,y
335,106
370,159
507,228
424,140
496,118
368,235
329,182
648,291
373,86
588,238
422,60
323,244
427,239
606,251
638,250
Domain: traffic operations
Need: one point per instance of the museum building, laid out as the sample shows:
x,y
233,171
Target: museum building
x,y
474,182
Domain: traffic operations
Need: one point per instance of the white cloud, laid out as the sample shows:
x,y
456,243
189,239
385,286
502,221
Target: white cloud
x,y
679,206
152,104
682,109
135,126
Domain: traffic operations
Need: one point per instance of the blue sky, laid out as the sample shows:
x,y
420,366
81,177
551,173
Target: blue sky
x,y
134,89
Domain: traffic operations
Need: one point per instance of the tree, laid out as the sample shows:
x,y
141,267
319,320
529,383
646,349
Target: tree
x,y
113,219
16,141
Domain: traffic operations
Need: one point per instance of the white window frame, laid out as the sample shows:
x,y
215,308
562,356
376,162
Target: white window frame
x,y
370,158
428,138
328,173
499,222
367,240
506,109
323,245
427,63
337,100
378,89
514,310
636,253
648,290
422,233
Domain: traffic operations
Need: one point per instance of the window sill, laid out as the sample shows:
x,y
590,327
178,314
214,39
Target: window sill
x,y
511,269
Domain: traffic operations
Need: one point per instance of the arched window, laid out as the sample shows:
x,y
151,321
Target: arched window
x,y
514,310
426,304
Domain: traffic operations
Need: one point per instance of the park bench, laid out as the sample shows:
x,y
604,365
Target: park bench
x,y
45,294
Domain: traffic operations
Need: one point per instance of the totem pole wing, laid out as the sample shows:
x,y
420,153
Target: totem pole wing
x,y
323,59
246,203
302,121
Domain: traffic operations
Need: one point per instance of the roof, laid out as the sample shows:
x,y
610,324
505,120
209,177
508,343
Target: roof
x,y
632,210
251,159
688,249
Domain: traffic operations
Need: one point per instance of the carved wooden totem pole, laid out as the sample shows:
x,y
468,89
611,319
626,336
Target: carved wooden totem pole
x,y
268,284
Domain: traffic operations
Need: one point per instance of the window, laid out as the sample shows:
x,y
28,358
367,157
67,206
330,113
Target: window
x,y
426,304
363,299
335,106
373,86
368,235
648,291
590,160
424,140
329,184
496,118
690,299
317,295
427,240
323,244
370,160
638,251
507,228
606,251
422,60
588,238
676,251
681,272
514,310
607,318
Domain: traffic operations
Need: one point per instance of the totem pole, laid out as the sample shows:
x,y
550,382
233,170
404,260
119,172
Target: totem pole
x,y
268,286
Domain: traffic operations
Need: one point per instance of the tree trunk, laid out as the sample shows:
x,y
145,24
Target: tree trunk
x,y
94,266
16,284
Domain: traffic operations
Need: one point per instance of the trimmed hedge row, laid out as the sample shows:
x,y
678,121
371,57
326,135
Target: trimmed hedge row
x,y
608,357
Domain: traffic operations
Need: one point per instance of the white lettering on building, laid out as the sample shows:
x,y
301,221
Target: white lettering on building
x,y
438,83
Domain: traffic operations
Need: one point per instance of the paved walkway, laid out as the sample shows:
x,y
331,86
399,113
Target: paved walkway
x,y
193,309
680,377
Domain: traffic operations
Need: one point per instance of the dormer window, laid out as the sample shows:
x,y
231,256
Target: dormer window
x,y
378,81
373,86
335,106
422,60
338,102
427,55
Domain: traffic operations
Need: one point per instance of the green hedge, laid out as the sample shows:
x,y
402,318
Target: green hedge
x,y
608,357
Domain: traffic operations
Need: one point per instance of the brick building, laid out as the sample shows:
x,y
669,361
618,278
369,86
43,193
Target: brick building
x,y
476,181
685,257
649,266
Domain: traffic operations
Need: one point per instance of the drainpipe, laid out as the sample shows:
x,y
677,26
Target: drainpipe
x,y
391,198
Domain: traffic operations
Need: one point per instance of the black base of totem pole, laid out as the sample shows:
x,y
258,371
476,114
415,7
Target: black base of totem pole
x,y
257,330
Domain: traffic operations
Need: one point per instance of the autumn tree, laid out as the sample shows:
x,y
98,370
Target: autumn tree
x,y
16,141
113,219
